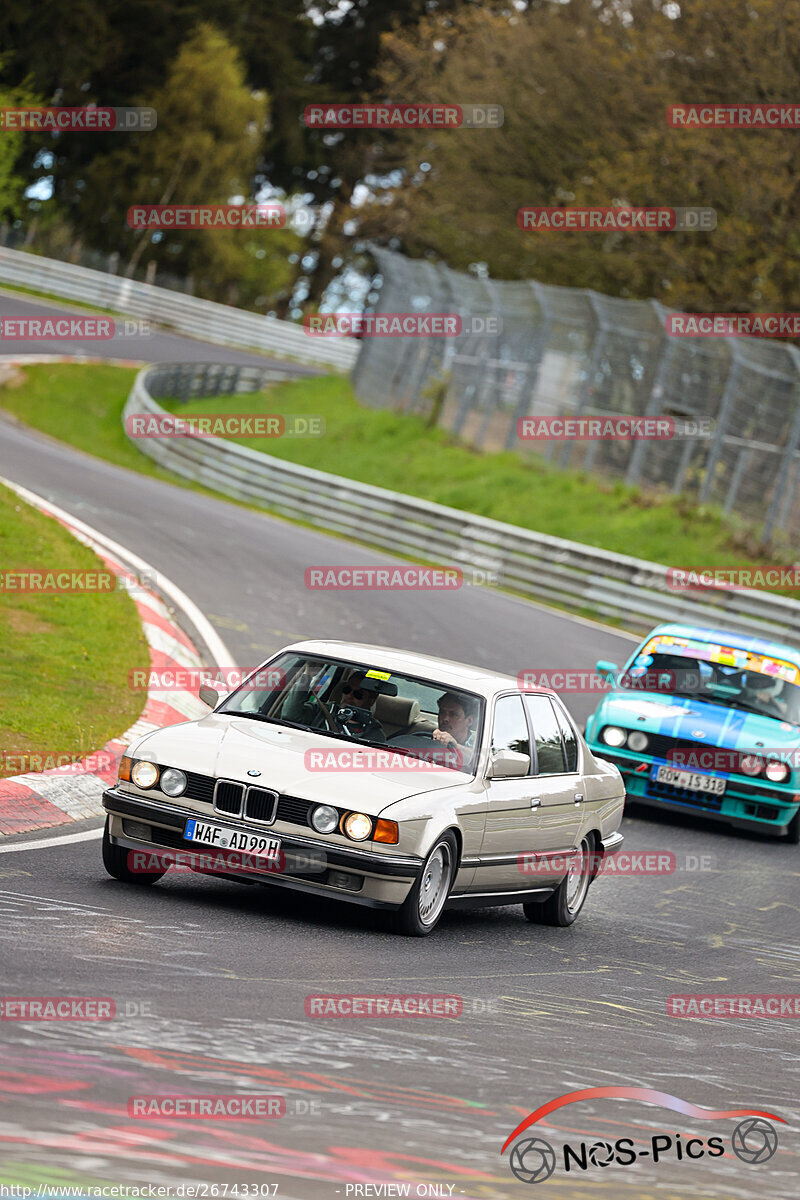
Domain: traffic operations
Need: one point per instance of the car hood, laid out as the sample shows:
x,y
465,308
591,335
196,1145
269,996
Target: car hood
x,y
228,747
696,721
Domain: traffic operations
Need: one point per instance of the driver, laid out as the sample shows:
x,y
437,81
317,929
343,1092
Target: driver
x,y
764,691
357,704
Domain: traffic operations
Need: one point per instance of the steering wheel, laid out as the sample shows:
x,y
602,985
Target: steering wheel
x,y
369,727
330,722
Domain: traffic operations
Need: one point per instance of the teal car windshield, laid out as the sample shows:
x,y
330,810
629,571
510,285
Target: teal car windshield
x,y
718,674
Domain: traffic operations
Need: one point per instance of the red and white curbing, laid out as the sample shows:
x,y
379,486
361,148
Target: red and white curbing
x,y
58,797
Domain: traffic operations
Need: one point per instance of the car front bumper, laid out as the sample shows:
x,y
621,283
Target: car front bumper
x,y
358,876
744,805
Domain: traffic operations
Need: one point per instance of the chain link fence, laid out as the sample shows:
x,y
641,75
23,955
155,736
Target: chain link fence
x,y
570,352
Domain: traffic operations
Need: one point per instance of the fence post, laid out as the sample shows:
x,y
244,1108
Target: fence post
x,y
635,470
781,496
726,405
598,345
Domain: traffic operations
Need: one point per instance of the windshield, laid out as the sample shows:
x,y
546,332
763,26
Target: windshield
x,y
365,704
717,674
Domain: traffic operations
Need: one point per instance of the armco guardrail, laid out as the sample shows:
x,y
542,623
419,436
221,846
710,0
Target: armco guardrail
x,y
550,569
204,319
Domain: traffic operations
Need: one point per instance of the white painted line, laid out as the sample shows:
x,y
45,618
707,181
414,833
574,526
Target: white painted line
x,y
86,836
217,648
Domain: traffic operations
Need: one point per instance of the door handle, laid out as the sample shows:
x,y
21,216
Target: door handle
x,y
535,801
578,797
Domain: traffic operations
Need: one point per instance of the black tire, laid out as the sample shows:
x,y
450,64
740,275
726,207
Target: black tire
x,y
793,830
115,861
439,871
566,902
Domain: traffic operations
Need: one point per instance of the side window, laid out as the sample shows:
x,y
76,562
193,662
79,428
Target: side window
x,y
569,736
547,735
510,730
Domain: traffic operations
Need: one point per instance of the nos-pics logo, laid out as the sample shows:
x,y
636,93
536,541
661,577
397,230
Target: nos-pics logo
x,y
533,1160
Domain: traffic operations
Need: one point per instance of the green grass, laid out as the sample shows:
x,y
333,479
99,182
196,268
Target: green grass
x,y
82,405
66,657
398,452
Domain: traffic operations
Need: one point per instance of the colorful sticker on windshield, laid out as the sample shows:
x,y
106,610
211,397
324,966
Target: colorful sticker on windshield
x,y
384,675
724,656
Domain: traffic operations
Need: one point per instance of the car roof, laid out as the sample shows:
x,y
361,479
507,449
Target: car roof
x,y
726,637
409,662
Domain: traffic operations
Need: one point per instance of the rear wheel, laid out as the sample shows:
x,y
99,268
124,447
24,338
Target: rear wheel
x,y
567,900
425,903
116,862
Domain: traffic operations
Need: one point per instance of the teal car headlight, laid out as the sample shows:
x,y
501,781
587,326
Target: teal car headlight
x,y
751,764
776,771
612,735
637,740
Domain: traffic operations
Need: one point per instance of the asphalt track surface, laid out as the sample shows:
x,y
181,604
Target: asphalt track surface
x,y
210,977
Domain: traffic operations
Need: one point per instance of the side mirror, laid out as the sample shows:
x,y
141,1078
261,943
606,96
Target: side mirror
x,y
209,696
606,669
508,764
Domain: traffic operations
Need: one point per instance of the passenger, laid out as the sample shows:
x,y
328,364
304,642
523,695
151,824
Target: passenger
x,y
456,725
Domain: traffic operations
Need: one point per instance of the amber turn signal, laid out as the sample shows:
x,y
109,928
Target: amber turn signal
x,y
125,765
386,831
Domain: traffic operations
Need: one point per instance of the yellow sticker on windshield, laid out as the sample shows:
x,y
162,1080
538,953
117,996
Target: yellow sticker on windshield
x,y
378,675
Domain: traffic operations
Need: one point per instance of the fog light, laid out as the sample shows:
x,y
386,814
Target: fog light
x,y
357,826
341,879
136,829
145,774
612,735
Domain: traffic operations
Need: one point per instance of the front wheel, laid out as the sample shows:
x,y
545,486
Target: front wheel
x,y
566,902
424,904
793,830
115,861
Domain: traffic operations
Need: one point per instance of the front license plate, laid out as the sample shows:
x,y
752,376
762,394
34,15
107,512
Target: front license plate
x,y
690,780
231,839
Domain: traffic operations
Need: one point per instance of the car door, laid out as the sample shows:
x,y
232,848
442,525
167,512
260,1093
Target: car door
x,y
511,816
557,784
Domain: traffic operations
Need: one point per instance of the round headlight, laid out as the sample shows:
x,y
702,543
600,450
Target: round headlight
x,y
145,774
777,771
173,781
324,818
637,740
357,826
612,735
751,764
